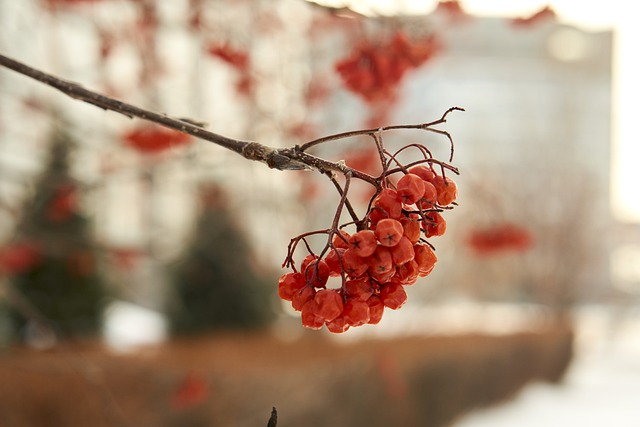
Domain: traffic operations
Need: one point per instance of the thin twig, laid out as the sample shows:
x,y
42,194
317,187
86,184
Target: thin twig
x,y
350,134
273,419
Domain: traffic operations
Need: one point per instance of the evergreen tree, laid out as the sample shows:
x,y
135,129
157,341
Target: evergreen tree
x,y
215,285
61,284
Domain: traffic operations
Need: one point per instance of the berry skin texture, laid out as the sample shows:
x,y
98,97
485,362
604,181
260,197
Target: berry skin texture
x,y
309,316
328,304
424,172
363,243
426,259
301,297
338,325
411,228
407,273
341,240
381,262
389,232
376,309
402,252
354,265
429,197
393,295
317,273
390,202
356,312
447,190
289,284
358,289
333,260
410,188
434,224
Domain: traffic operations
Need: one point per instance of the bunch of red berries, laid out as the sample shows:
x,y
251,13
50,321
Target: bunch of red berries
x,y
386,253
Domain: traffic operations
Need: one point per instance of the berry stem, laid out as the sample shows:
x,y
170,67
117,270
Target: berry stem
x,y
423,126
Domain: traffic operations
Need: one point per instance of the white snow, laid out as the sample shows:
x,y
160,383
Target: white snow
x,y
602,387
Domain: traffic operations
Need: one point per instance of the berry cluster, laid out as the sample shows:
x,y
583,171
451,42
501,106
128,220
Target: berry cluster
x,y
500,238
387,252
374,69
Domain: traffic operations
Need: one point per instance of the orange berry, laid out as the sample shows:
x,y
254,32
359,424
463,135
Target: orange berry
x,y
389,232
411,227
301,297
390,202
393,295
317,273
376,309
424,172
358,288
328,304
354,265
333,260
290,283
338,325
356,312
341,239
434,224
447,190
309,317
429,197
426,259
363,243
407,273
402,252
381,266
410,188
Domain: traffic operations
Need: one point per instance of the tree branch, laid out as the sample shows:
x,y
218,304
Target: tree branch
x,y
293,158
248,149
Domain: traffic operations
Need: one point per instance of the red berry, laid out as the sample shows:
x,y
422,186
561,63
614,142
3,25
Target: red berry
x,y
410,188
309,317
306,261
424,172
354,265
301,297
363,243
333,260
338,325
429,197
407,273
411,225
426,259
393,295
358,288
317,273
381,262
341,239
434,224
290,283
447,190
389,232
356,312
328,303
390,202
402,252
376,309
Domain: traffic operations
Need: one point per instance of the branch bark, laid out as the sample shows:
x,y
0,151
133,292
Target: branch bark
x,y
281,159
293,158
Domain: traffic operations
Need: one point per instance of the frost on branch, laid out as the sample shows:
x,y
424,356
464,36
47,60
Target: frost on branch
x,y
367,261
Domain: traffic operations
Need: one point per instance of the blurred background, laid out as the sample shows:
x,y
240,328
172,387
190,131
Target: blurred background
x,y
139,266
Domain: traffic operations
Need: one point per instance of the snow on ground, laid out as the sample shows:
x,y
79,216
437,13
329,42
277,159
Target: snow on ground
x,y
601,388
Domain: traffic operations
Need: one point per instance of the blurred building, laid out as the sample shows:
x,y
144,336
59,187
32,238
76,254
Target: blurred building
x,y
533,148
